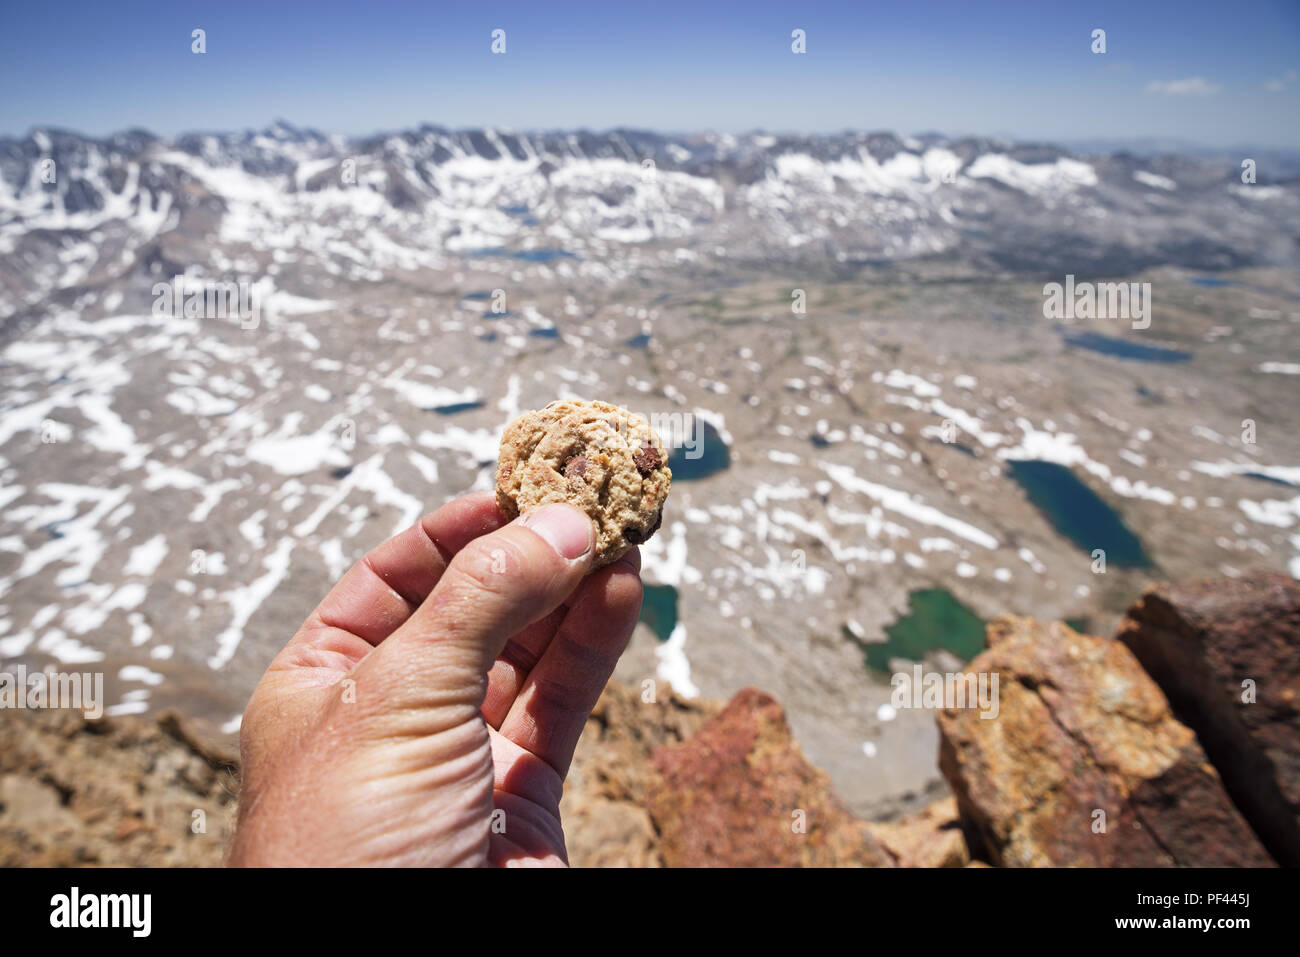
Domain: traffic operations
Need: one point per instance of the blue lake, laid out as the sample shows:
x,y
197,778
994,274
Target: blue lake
x,y
527,255
455,407
712,453
542,255
1270,479
1078,513
521,213
1124,349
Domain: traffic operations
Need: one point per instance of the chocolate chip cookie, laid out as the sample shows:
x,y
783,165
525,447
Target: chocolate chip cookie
x,y
595,456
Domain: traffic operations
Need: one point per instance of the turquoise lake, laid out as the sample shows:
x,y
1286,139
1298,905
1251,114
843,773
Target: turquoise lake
x,y
935,620
659,610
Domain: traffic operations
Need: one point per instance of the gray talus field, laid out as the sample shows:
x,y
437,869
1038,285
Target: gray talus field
x,y
854,344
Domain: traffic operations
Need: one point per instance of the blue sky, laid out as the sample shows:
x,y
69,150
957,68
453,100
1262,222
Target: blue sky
x,y
1218,74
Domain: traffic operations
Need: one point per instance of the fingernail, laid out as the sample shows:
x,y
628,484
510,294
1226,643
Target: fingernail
x,y
564,528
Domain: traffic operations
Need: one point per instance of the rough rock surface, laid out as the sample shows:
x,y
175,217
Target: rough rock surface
x,y
122,791
1084,738
1204,643
740,793
113,792
659,780
606,823
931,837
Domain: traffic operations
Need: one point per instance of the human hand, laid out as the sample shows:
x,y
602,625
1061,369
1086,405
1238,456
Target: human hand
x,y
426,712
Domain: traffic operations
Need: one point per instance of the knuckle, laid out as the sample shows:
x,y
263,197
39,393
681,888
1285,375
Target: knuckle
x,y
628,584
487,564
499,563
590,660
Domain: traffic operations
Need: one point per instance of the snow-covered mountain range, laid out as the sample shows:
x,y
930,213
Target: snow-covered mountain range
x,y
78,211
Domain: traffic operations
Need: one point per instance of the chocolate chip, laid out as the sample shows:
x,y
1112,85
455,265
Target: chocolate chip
x,y
647,459
635,536
576,468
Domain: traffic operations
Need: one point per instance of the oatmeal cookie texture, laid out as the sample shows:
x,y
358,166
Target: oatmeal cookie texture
x,y
602,459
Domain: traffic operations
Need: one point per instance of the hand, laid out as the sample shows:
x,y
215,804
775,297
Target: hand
x,y
427,710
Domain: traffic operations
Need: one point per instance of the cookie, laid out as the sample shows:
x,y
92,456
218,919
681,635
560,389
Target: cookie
x,y
595,456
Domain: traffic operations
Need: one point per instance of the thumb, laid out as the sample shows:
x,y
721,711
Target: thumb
x,y
438,660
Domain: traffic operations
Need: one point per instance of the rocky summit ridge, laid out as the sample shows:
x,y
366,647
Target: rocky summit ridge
x,y
1174,744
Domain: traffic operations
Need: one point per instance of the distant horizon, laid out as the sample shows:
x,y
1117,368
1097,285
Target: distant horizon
x,y
1150,144
1163,70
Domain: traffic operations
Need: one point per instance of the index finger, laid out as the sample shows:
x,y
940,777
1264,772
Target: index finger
x,y
379,592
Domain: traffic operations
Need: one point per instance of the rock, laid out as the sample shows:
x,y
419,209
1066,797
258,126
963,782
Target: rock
x,y
740,793
36,803
117,792
1084,764
604,833
606,823
1202,642
931,837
